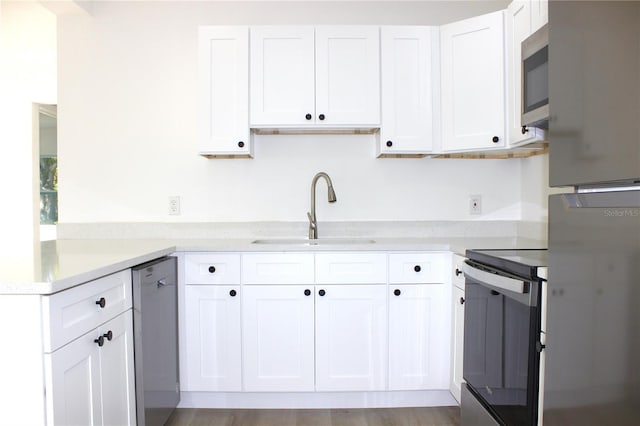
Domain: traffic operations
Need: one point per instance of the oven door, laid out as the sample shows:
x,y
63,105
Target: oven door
x,y
501,343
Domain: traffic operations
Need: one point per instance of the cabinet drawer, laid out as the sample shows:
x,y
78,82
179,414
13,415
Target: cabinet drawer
x,y
416,268
351,268
212,268
457,277
277,268
73,312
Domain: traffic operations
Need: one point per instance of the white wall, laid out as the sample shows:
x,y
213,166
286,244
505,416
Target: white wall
x,y
27,75
128,128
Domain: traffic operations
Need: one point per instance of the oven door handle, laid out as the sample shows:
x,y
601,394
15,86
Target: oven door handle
x,y
498,281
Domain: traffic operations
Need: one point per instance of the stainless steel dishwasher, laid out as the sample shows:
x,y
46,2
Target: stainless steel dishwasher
x,y
155,325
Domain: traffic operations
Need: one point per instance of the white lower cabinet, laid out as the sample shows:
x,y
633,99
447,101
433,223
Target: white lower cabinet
x,y
320,322
278,339
91,379
418,336
458,342
457,326
213,339
351,342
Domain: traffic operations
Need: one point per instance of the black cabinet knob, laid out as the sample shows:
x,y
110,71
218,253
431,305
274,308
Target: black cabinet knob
x,y
525,130
232,293
108,335
458,272
495,139
99,341
102,302
417,268
307,292
321,116
241,144
397,292
322,292
308,116
389,143
462,300
212,269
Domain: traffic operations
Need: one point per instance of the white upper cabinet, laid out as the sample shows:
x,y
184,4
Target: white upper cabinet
x,y
323,77
224,91
282,75
473,83
519,27
348,75
539,14
409,57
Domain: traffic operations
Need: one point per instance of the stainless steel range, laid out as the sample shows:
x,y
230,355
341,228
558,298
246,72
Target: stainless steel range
x,y
504,324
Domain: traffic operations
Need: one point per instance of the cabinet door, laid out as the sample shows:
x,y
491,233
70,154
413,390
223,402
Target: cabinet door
x,y
407,56
213,342
117,371
348,75
539,14
351,337
224,95
518,29
282,76
74,383
457,349
418,337
473,88
277,338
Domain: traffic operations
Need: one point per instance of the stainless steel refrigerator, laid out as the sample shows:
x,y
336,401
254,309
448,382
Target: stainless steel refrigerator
x,y
592,371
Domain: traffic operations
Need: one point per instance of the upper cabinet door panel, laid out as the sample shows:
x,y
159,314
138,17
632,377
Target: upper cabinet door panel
x,y
473,85
539,14
282,75
407,57
224,94
348,75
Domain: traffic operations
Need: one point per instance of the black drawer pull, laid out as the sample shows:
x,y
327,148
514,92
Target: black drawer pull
x,y
307,292
99,341
458,272
102,302
417,268
322,292
462,300
108,335
397,292
212,269
232,293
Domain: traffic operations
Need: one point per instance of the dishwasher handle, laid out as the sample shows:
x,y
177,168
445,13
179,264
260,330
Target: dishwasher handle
x,y
162,283
494,280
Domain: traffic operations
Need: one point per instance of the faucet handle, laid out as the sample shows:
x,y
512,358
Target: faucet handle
x,y
312,222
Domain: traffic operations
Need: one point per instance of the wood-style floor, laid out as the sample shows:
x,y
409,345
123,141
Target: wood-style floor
x,y
431,416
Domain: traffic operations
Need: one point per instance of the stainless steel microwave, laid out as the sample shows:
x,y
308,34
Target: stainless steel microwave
x,y
535,79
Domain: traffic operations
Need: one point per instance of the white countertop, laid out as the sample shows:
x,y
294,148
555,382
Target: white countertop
x,y
63,264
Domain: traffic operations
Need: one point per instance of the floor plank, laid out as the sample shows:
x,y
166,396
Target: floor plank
x,y
419,416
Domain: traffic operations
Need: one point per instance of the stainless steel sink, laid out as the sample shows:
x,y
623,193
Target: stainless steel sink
x,y
316,242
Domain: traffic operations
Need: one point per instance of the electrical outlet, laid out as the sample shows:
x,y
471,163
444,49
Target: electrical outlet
x,y
174,205
475,204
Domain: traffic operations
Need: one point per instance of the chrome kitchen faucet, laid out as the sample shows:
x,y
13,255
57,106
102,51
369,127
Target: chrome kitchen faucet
x,y
313,223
